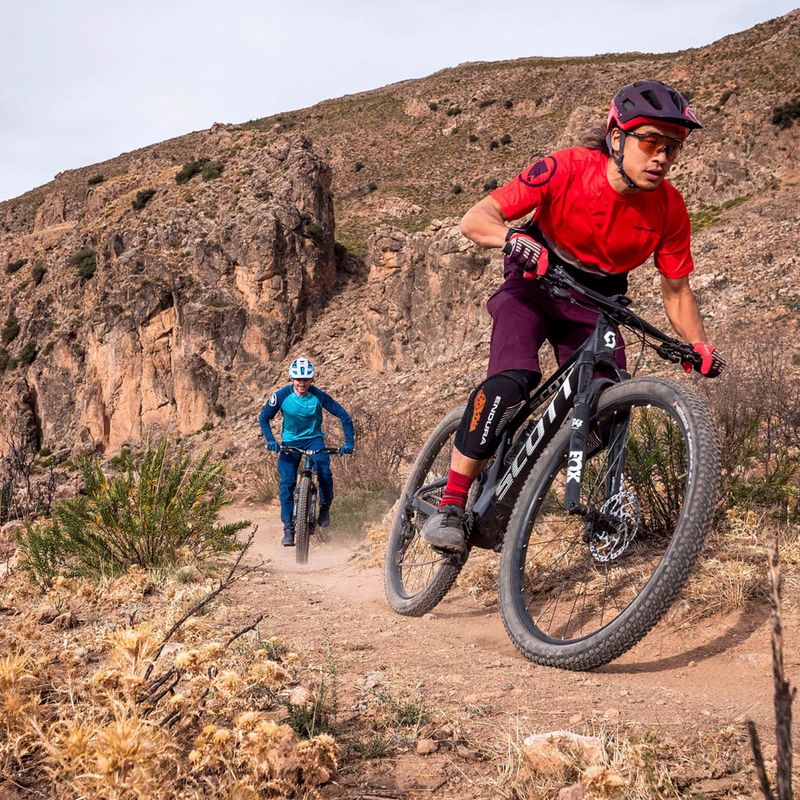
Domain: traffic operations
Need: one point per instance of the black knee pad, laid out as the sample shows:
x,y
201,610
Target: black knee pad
x,y
489,409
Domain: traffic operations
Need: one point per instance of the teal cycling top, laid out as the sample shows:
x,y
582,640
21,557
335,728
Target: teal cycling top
x,y
302,416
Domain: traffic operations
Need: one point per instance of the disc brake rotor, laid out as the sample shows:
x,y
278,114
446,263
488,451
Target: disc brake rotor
x,y
611,537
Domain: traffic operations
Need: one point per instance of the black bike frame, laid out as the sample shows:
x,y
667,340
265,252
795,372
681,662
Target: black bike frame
x,y
576,387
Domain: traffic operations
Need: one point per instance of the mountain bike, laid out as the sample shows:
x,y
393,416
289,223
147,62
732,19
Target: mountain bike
x,y
304,512
598,504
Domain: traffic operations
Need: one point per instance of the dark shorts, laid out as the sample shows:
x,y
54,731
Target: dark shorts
x,y
525,315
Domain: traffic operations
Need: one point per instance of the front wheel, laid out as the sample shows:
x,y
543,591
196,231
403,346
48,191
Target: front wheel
x,y
416,577
304,519
578,590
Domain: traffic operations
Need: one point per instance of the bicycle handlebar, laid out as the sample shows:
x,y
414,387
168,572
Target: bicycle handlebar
x,y
616,307
286,448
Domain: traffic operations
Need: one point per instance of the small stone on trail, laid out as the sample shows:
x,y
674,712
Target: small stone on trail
x,y
574,792
429,615
426,746
576,718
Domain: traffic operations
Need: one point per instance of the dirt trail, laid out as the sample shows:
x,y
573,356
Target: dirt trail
x,y
676,682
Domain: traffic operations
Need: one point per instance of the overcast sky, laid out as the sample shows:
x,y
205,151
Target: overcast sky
x,y
84,80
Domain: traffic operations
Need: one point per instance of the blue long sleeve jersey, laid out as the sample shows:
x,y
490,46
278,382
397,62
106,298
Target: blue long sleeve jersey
x,y
302,416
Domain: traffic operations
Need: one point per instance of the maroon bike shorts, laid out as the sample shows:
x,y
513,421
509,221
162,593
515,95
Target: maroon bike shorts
x,y
525,315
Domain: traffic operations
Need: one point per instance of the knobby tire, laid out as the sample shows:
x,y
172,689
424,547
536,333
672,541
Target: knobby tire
x,y
416,577
577,594
303,524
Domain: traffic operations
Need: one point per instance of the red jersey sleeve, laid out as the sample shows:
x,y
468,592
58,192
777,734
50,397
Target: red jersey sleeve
x,y
529,189
673,256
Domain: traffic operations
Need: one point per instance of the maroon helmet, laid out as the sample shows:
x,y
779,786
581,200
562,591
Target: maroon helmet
x,y
650,102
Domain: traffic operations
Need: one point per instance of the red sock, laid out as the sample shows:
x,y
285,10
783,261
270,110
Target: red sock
x,y
457,489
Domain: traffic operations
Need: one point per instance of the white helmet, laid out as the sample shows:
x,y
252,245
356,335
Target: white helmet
x,y
301,368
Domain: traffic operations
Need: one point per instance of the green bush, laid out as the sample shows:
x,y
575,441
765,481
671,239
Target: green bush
x,y
457,189
41,552
487,103
490,185
726,95
508,104
15,266
143,197
453,111
314,231
505,139
372,186
10,329
85,261
5,359
160,510
28,353
190,169
95,179
212,169
494,144
433,106
785,115
359,165
473,137
38,273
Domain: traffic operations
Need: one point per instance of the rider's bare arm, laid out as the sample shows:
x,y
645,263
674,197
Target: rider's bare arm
x,y
485,224
682,311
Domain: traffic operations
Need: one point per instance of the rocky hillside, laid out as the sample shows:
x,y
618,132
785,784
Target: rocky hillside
x,y
165,289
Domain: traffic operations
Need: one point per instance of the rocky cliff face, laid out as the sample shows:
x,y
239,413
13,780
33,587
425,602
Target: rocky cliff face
x,y
157,317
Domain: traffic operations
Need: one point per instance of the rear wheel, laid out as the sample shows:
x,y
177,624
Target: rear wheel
x,y
302,525
578,590
417,577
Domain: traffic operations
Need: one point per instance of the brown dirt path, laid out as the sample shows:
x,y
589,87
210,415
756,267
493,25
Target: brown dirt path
x,y
677,683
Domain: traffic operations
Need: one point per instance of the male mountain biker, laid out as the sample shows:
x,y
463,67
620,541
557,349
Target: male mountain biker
x,y
599,211
301,405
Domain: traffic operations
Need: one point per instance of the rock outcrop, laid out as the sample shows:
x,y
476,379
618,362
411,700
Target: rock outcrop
x,y
427,298
154,317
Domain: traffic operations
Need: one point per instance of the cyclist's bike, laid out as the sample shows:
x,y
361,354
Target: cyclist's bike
x,y
304,514
599,505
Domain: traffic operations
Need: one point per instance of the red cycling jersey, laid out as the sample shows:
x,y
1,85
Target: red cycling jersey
x,y
590,224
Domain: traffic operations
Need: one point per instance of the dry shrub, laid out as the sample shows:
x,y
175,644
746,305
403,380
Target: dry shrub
x,y
368,482
263,477
756,405
382,444
129,721
730,573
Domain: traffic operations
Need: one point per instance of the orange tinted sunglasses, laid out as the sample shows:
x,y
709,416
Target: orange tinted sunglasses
x,y
654,143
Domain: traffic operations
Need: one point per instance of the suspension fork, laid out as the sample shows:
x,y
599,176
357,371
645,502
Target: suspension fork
x,y
576,454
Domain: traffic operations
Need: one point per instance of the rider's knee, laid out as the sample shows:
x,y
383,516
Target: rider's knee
x,y
490,408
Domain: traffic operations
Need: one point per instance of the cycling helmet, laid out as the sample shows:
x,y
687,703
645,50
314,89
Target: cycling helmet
x,y
301,368
643,103
651,102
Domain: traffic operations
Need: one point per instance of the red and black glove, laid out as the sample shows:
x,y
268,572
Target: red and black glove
x,y
525,253
711,362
